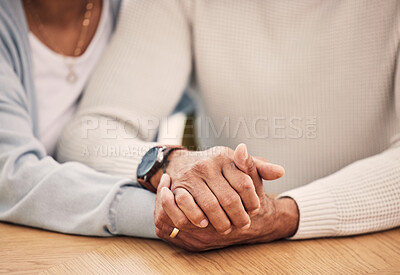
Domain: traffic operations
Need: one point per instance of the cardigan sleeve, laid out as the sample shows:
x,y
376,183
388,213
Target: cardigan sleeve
x,y
37,191
137,84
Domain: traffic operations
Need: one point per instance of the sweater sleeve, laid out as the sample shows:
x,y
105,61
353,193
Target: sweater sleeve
x,y
360,198
37,191
136,85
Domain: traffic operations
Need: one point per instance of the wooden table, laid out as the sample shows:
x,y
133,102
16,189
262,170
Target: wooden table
x,y
27,250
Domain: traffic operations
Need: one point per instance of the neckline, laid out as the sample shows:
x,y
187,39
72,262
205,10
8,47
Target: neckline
x,y
77,59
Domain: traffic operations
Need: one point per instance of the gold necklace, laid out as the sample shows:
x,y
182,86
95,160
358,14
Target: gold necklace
x,y
72,77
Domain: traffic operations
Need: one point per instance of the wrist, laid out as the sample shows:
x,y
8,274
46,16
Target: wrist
x,y
155,179
287,217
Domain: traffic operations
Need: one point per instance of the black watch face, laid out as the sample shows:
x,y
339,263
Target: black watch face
x,y
148,161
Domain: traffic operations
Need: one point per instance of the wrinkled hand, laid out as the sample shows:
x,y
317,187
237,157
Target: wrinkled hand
x,y
275,219
209,188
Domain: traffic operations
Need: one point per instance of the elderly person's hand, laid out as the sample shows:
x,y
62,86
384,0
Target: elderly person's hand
x,y
209,188
275,219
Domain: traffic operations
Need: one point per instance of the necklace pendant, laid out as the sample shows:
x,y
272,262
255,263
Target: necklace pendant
x,y
72,77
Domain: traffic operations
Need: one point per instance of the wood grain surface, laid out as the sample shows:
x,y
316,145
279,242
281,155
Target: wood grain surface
x,y
25,250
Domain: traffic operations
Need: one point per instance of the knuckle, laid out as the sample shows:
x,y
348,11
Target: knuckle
x,y
210,204
227,166
165,202
230,201
182,198
202,167
158,222
185,181
220,157
224,155
231,166
245,185
181,223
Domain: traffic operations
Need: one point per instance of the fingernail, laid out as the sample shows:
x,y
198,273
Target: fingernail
x,y
246,154
247,226
227,231
204,223
244,150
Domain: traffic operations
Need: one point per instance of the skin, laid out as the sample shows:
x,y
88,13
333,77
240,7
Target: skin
x,y
276,219
209,188
62,21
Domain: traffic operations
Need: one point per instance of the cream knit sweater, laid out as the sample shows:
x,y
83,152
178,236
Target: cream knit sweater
x,y
311,85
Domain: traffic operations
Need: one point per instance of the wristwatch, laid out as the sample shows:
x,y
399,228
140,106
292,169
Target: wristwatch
x,y
155,159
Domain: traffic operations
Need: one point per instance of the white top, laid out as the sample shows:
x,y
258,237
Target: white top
x,y
311,85
56,97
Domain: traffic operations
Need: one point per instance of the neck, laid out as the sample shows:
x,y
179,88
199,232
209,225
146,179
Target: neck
x,y
58,12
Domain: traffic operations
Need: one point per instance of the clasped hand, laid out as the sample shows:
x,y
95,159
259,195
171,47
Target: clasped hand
x,y
216,198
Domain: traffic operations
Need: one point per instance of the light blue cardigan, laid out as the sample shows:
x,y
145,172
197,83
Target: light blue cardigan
x,y
37,191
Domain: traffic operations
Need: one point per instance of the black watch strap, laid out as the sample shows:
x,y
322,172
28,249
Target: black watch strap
x,y
167,152
159,164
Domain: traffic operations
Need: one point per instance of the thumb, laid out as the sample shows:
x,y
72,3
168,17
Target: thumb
x,y
246,164
267,170
165,181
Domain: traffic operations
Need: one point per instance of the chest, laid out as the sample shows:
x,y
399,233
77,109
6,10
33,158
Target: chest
x,y
281,48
